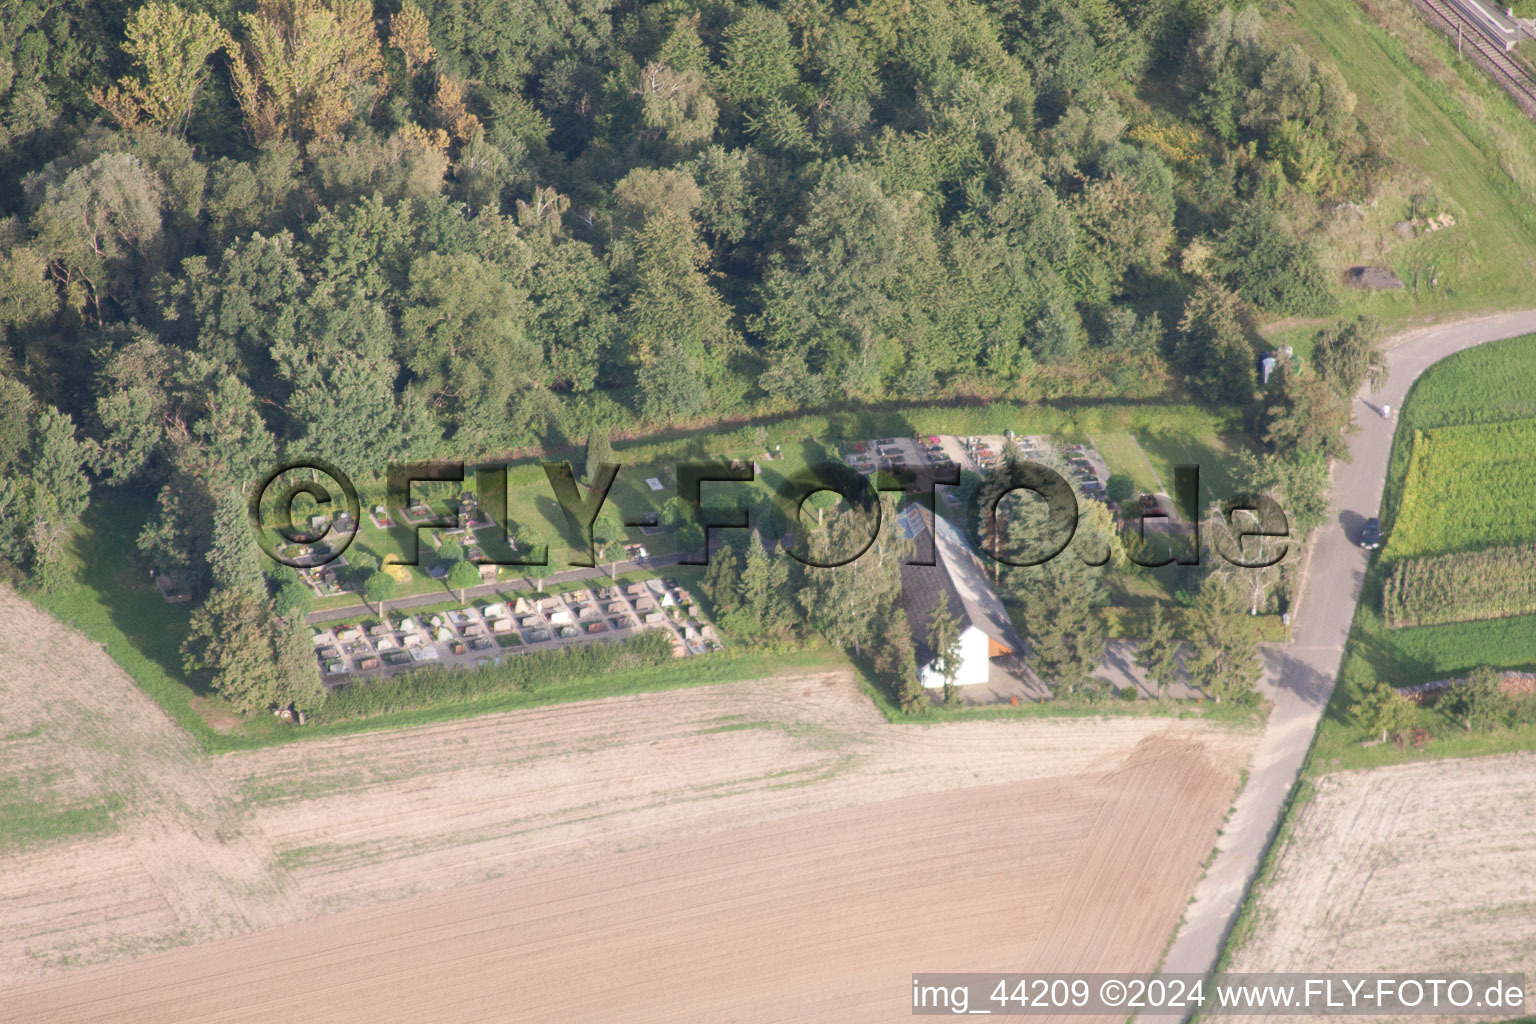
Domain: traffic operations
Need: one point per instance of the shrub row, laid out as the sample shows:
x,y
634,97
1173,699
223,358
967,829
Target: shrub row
x,y
529,672
1491,584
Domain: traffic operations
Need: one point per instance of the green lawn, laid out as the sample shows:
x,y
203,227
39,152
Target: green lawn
x,y
1213,453
113,603
1167,435
1124,456
1456,139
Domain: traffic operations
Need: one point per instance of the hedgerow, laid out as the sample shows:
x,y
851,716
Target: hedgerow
x,y
529,672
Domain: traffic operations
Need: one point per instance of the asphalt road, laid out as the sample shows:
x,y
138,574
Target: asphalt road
x,y
1300,678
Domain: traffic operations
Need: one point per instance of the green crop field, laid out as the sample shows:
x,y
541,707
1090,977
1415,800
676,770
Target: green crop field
x,y
1490,584
1491,383
1465,404
1467,488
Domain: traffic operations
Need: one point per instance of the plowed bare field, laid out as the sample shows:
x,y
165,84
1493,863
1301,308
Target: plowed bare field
x,y
761,851
1420,867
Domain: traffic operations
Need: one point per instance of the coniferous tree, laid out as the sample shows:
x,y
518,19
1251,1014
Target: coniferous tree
x,y
1060,597
944,642
60,492
250,657
1347,356
1158,652
722,580
599,451
1223,657
764,585
1382,709
845,602
1302,417
234,560
895,661
1213,348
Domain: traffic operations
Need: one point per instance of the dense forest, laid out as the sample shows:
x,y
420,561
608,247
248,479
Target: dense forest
x,y
233,231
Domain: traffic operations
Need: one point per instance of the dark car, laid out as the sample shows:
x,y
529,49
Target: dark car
x,y
1370,536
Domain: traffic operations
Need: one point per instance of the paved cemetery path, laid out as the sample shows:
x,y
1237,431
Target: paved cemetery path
x,y
1300,678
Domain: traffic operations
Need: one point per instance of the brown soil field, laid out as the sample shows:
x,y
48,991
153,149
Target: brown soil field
x,y
759,851
1418,867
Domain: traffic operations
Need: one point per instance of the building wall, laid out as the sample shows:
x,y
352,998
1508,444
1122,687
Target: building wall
x,y
974,667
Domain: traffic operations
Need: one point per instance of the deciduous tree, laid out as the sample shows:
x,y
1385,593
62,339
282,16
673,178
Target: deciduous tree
x,y
380,587
461,576
98,227
302,66
170,49
408,33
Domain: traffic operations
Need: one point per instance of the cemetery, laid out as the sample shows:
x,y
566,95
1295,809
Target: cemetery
x,y
482,633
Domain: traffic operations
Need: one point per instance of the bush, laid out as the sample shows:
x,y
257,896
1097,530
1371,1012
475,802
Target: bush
x,y
293,598
451,551
531,672
1260,259
1120,489
1480,701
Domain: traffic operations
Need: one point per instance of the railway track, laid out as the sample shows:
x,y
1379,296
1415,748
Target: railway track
x,y
1513,75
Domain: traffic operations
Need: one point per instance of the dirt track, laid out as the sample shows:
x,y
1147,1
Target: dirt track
x,y
773,845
